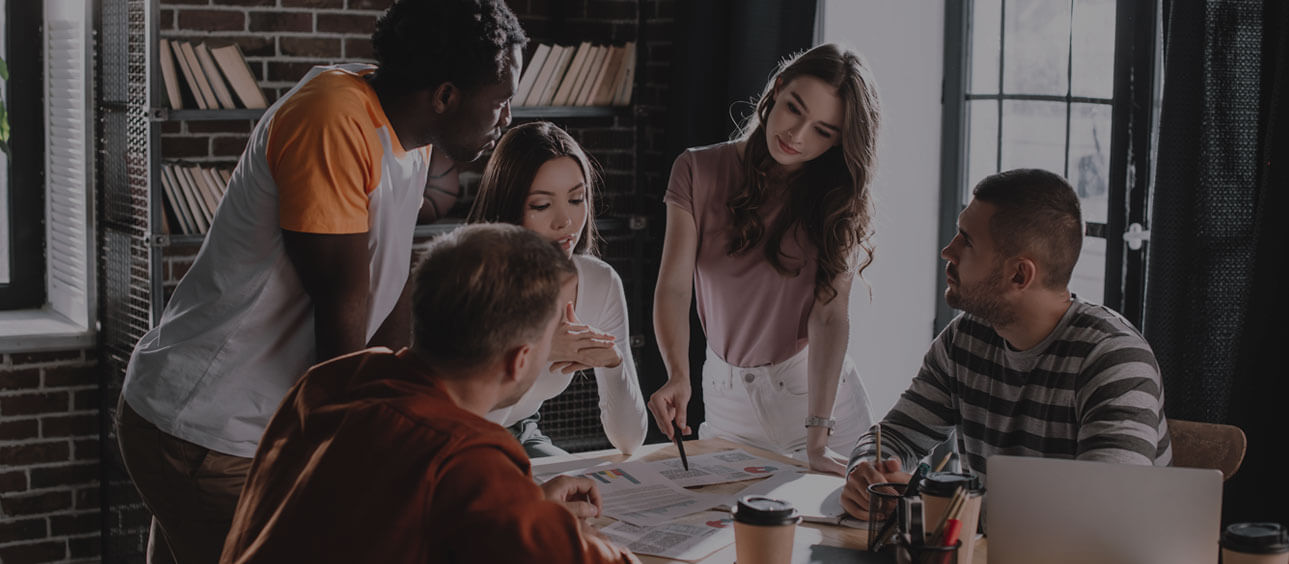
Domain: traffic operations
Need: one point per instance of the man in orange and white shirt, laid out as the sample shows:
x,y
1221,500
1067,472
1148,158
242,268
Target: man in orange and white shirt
x,y
308,254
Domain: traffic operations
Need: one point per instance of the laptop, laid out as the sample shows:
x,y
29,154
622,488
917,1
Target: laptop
x,y
1074,512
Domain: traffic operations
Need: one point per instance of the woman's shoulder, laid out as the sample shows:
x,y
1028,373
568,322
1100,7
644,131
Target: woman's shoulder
x,y
593,267
717,153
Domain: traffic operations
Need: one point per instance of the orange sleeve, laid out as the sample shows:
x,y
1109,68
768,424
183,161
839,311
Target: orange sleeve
x,y
500,515
324,154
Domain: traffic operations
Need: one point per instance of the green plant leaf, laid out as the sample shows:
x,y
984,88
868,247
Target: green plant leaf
x,y
4,70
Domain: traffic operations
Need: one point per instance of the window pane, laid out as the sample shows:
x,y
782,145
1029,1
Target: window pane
x,y
1033,135
1090,158
1093,42
1036,47
1088,281
985,37
982,147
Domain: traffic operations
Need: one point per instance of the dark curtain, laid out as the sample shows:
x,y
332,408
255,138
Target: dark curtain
x,y
725,50
1215,315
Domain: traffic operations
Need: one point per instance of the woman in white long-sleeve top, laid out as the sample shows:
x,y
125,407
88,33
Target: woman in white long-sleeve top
x,y
540,178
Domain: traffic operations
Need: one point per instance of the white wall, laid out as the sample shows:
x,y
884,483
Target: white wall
x,y
903,41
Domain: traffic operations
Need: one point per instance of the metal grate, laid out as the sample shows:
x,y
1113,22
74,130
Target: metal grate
x,y
128,259
572,419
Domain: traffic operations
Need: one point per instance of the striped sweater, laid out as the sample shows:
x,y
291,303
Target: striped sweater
x,y
1091,390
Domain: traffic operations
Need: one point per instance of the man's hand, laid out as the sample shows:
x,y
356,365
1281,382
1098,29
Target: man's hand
x,y
577,346
854,497
577,493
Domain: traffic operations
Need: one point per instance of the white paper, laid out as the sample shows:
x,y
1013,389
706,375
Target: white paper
x,y
637,494
688,538
816,496
573,467
719,468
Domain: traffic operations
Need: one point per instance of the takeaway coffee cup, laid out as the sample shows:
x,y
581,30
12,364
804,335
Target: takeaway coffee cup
x,y
1255,543
763,530
937,490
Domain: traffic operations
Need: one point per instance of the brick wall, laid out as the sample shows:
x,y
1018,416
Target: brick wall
x,y
49,457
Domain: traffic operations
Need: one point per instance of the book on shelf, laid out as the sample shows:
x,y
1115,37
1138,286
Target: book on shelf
x,y
234,67
189,80
552,82
597,65
213,75
203,85
187,200
601,94
173,202
192,194
529,76
626,79
208,193
548,68
169,76
576,70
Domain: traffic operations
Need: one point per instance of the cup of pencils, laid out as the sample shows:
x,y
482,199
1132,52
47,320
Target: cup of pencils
x,y
884,509
908,551
951,501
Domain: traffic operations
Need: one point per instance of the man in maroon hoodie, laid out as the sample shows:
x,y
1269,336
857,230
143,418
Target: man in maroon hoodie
x,y
380,456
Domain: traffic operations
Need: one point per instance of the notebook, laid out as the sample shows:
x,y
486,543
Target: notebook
x,y
816,496
1074,512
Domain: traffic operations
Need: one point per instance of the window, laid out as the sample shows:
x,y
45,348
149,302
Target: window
x,y
47,285
1037,84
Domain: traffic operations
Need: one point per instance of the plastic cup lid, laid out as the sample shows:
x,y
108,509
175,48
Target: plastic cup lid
x,y
765,511
1256,538
943,484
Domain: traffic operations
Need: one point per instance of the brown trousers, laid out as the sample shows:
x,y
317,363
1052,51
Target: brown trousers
x,y
191,490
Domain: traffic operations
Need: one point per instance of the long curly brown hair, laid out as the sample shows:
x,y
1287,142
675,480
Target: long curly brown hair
x,y
829,197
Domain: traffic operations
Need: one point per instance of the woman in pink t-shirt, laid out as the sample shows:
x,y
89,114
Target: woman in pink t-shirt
x,y
768,232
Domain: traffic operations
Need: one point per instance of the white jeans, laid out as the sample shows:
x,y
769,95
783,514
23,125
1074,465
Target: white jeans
x,y
766,406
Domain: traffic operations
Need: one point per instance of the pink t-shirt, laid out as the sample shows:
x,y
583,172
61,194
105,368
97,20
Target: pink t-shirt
x,y
752,315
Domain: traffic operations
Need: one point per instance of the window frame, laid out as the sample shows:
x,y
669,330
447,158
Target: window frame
x,y
1129,174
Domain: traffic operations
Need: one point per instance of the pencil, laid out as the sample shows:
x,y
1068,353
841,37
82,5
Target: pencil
x,y
943,461
879,444
680,446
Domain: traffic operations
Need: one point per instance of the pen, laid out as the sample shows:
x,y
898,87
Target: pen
x,y
680,446
878,460
915,480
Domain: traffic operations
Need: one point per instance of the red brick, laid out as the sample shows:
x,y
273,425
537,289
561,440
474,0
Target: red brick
x,y
45,357
49,551
281,21
31,404
15,481
172,127
19,429
257,3
288,72
225,146
71,525
89,547
604,10
220,126
359,49
89,449
71,475
26,378
35,453
166,20
212,20
68,376
179,267
374,4
314,47
35,504
88,498
69,426
186,2
86,400
334,4
346,23
184,147
24,530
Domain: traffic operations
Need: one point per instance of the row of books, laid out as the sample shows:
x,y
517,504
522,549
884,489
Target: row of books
x,y
192,193
211,77
578,75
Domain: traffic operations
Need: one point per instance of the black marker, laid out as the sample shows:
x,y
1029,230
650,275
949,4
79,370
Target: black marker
x,y
680,446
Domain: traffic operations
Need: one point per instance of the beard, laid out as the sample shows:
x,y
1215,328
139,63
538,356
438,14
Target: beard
x,y
982,299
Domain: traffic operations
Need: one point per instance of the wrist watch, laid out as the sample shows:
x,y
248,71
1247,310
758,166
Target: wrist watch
x,y
816,421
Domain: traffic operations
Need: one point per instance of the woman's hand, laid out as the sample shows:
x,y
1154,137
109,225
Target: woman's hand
x,y
669,403
577,346
822,458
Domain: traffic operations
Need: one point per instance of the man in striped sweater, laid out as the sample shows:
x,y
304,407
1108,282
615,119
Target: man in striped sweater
x,y
1028,368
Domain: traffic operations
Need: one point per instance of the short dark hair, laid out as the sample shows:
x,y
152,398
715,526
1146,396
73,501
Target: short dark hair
x,y
1037,212
483,289
421,44
514,164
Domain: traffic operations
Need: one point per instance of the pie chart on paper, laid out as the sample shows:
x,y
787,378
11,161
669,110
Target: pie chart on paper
x,y
759,469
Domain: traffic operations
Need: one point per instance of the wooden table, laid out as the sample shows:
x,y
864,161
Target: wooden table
x,y
808,534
